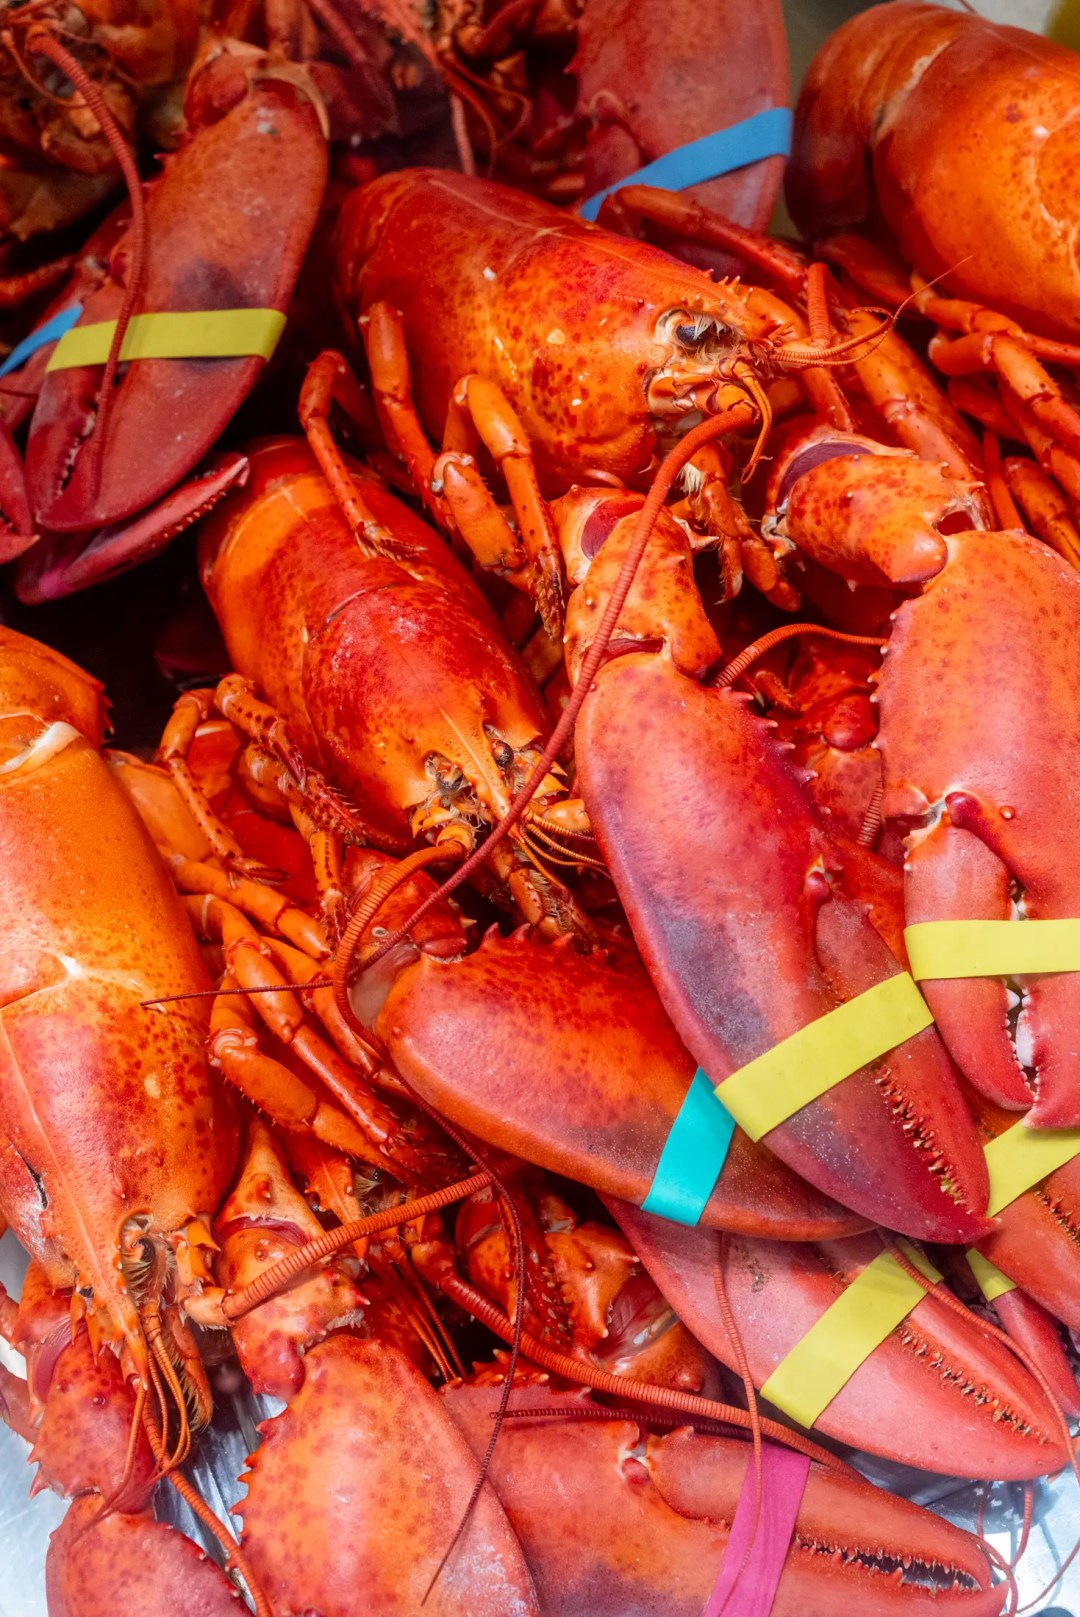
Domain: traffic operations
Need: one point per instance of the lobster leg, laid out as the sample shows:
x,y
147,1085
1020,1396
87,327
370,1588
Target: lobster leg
x,y
258,721
192,709
1020,372
359,1122
1045,510
388,360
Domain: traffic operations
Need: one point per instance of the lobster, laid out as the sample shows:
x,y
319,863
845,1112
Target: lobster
x,y
964,690
876,149
459,1026
385,666
95,507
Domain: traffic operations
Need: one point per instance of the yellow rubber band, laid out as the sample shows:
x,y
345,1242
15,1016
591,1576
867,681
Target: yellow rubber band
x,y
992,1283
807,1379
775,1086
946,949
1022,1157
201,334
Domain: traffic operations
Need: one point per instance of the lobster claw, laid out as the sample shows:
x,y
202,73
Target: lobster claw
x,y
93,1554
980,734
659,1514
16,523
227,176
935,1360
594,1097
874,515
749,934
60,564
351,1438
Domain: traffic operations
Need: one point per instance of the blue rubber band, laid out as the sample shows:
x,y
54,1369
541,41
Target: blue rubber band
x,y
693,1155
51,331
766,134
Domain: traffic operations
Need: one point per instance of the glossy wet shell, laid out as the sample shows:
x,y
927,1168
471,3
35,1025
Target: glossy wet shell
x,y
131,1565
253,231
778,1291
653,1536
738,973
980,716
961,135
558,312
106,1109
572,1063
368,1438
376,664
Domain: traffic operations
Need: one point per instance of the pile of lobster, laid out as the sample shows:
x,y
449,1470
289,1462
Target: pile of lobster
x,y
583,1004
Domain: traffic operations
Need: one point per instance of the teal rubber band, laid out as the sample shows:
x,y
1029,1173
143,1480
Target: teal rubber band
x,y
694,1153
51,331
766,134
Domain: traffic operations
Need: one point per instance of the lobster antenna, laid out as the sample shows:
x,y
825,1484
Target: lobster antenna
x,y
737,667
743,1366
39,39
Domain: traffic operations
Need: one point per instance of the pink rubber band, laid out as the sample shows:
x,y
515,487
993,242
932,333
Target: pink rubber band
x,y
783,1478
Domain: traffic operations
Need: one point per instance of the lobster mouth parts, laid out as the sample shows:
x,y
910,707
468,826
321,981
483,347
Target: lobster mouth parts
x,y
682,390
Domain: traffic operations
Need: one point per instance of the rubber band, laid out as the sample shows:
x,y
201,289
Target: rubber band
x,y
1021,1158
694,1153
766,134
772,1088
757,1573
808,1378
195,334
948,949
991,1282
51,331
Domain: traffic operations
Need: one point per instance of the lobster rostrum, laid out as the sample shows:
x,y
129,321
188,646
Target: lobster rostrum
x,y
95,507
965,690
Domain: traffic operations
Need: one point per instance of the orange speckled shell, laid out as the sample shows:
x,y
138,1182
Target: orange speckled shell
x,y
375,663
960,135
561,314
106,1109
356,1490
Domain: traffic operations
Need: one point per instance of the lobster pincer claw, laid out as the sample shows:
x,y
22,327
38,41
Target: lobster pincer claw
x,y
980,736
750,936
60,564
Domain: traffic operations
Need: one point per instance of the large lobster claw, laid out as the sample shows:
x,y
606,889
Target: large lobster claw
x,y
657,1524
571,1062
986,1416
980,733
228,224
743,919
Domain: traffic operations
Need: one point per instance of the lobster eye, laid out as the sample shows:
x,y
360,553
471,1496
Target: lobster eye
x,y
692,335
503,754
